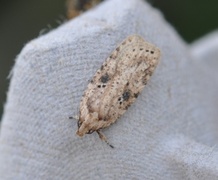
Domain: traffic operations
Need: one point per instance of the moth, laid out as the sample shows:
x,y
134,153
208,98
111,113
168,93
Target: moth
x,y
116,85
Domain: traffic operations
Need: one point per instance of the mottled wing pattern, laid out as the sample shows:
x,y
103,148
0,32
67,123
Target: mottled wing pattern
x,y
116,85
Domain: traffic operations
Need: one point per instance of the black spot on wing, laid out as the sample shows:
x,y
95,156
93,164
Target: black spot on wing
x,y
126,95
105,78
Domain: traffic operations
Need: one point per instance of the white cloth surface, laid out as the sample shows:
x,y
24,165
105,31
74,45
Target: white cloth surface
x,y
170,132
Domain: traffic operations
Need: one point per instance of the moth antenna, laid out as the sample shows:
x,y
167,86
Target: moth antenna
x,y
103,138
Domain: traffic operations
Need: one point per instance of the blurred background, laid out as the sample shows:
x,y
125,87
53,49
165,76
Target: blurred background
x,y
23,20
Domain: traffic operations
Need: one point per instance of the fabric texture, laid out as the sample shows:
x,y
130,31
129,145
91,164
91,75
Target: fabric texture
x,y
170,132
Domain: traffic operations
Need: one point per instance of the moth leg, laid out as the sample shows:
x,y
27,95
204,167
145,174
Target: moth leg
x,y
103,138
74,117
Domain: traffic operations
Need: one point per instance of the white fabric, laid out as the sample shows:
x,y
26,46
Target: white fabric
x,y
170,132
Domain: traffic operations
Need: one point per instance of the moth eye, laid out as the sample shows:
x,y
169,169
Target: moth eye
x,y
90,131
79,124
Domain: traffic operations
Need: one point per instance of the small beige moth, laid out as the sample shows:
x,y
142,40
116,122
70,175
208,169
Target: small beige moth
x,y
116,85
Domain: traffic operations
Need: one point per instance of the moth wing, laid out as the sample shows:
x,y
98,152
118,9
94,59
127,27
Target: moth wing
x,y
116,85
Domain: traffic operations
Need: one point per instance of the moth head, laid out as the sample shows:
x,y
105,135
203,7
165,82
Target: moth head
x,y
87,126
